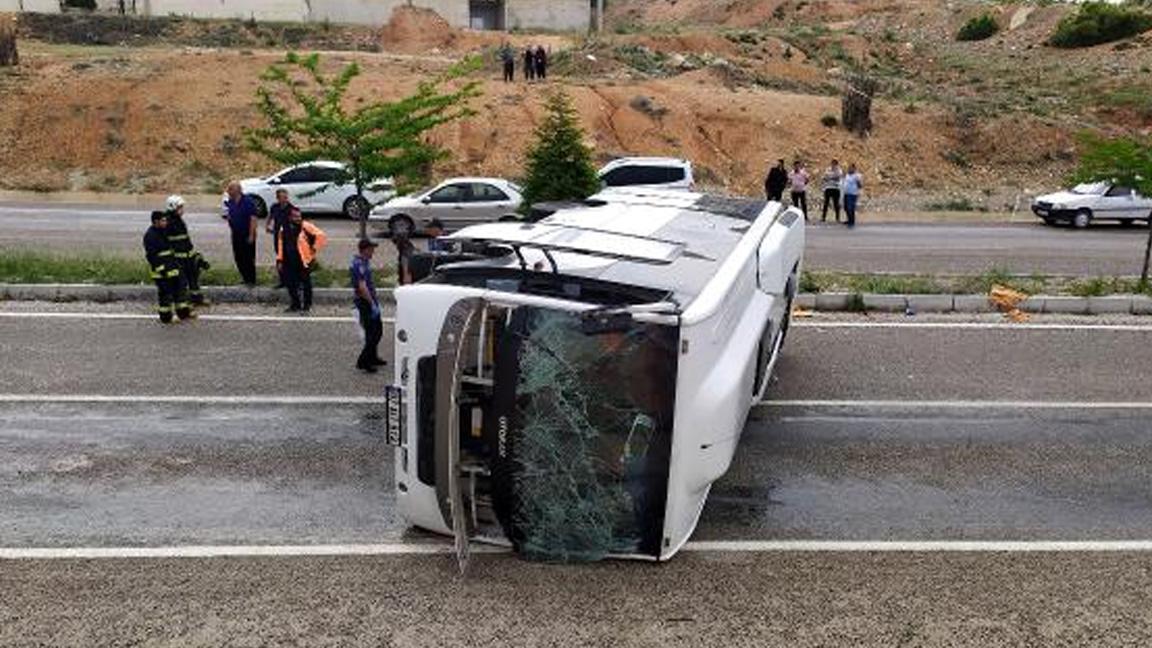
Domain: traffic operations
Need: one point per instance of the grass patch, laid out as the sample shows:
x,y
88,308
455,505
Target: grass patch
x,y
955,205
28,267
1100,22
979,284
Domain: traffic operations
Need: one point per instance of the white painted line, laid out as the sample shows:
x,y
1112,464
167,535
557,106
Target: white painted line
x,y
307,319
426,549
190,400
925,546
977,326
974,404
73,553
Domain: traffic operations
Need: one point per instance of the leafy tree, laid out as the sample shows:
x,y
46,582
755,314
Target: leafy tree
x,y
1126,161
559,163
307,119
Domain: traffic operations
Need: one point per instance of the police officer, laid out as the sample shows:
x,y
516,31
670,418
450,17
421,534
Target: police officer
x,y
190,260
171,293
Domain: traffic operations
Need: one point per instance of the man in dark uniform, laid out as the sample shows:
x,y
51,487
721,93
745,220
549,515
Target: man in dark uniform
x,y
190,260
171,294
541,63
241,214
776,182
368,307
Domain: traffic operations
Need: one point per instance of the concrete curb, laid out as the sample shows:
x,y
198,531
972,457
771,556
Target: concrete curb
x,y
217,294
823,302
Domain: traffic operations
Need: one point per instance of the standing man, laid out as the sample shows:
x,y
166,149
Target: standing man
x,y
170,292
434,231
242,217
190,260
776,182
367,306
798,180
508,57
541,63
404,252
300,242
277,218
529,64
830,184
853,185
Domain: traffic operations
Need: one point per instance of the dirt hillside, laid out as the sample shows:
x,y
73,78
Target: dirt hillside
x,y
982,122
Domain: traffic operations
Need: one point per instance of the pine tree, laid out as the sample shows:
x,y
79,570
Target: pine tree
x,y
559,163
307,120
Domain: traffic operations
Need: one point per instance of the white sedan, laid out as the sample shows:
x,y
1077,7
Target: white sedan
x,y
313,188
1096,201
456,203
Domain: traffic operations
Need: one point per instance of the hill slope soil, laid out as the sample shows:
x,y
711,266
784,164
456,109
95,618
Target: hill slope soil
x,y
729,86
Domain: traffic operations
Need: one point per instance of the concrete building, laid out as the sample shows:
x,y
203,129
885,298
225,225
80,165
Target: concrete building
x,y
560,15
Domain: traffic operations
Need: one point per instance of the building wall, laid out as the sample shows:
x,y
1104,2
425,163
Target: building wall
x,y
524,14
37,6
562,15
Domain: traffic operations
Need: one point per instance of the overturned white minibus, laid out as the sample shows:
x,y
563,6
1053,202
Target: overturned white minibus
x,y
574,393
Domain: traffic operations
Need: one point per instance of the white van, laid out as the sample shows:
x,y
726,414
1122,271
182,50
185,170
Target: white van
x,y
574,393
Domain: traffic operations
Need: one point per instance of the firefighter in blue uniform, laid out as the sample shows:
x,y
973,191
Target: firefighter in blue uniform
x,y
172,296
187,256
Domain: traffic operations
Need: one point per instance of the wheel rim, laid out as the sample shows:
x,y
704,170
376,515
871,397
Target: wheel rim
x,y
1082,220
355,208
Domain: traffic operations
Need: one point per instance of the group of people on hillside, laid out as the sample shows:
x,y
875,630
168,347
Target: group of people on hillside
x,y
835,184
535,60
175,264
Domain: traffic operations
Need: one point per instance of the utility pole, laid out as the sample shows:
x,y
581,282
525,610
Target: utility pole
x,y
599,16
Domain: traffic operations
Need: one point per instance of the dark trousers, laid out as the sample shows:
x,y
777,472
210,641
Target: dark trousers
x,y
541,70
529,70
190,269
245,255
776,194
172,299
373,332
509,71
850,202
298,281
831,196
800,199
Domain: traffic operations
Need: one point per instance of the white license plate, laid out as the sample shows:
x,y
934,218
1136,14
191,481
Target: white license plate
x,y
394,415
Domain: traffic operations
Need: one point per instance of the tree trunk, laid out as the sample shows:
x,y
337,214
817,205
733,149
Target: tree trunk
x,y
8,54
363,217
1147,257
856,107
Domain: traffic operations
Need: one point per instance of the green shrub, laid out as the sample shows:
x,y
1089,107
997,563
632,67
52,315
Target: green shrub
x,y
1100,22
978,28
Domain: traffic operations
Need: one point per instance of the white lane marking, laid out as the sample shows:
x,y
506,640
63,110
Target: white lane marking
x,y
1137,328
72,553
921,546
425,549
208,318
959,404
191,400
977,326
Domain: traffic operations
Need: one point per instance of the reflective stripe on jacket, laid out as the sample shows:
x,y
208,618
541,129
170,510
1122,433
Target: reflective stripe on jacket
x,y
312,239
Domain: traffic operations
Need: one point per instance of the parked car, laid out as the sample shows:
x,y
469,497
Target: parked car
x,y
666,173
456,202
1085,203
312,187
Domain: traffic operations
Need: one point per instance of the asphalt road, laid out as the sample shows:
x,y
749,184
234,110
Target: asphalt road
x,y
882,247
832,459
